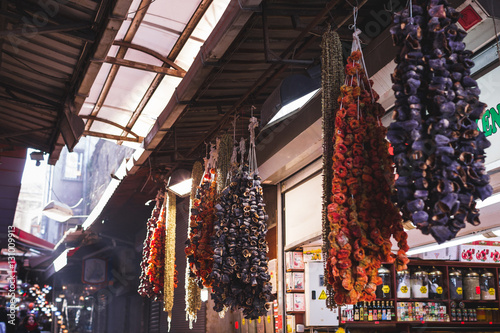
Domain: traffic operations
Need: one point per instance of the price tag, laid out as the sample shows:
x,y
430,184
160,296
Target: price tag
x,y
242,321
459,290
491,291
404,289
268,319
249,321
439,290
478,290
423,289
386,289
258,320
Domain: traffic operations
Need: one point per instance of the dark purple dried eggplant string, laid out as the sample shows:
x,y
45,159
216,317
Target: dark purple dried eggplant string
x,y
441,166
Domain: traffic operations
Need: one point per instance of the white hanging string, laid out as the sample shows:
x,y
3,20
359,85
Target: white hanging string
x,y
252,155
243,150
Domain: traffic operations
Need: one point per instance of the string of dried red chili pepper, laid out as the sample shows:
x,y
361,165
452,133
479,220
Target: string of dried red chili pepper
x,y
156,262
198,248
145,287
362,217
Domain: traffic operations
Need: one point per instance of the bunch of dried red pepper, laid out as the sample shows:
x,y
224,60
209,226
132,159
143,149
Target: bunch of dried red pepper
x,y
362,217
198,248
156,261
145,286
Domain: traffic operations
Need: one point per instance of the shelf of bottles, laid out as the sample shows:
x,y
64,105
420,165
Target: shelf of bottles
x,y
376,311
447,293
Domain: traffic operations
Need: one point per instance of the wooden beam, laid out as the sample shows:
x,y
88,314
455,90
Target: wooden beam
x,y
145,67
149,51
188,30
129,36
112,136
112,123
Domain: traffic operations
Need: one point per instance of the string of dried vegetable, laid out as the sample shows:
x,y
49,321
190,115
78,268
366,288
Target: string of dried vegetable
x,y
439,152
170,272
145,286
332,77
193,291
240,278
198,249
361,216
156,261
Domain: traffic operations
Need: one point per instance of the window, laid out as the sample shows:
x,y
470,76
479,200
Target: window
x,y
73,166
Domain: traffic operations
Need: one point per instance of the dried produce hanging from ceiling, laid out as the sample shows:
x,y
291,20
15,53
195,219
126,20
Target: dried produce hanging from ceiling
x,y
198,248
362,217
332,77
145,286
439,152
193,291
240,277
170,272
156,260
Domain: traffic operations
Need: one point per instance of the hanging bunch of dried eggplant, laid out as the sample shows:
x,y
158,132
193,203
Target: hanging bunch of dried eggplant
x,y
439,152
240,278
362,218
198,248
193,291
145,286
332,77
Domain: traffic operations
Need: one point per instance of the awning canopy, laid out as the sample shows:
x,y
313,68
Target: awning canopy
x,y
29,241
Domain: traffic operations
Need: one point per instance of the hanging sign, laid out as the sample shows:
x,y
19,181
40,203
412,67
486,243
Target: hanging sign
x,y
94,271
489,123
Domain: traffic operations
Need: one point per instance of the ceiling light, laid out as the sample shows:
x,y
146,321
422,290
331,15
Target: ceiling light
x,y
477,236
57,211
285,98
183,188
292,106
494,199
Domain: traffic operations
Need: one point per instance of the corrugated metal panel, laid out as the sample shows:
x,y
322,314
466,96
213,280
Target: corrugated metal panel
x,y
154,317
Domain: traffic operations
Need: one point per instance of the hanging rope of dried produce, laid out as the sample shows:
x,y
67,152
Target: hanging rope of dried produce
x,y
145,287
193,291
198,249
170,272
225,243
361,216
156,259
439,152
240,269
332,76
224,161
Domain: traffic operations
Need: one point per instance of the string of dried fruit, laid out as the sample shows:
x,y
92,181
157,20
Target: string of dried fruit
x,y
362,218
406,134
332,76
240,247
145,287
156,260
193,291
446,165
170,272
198,249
